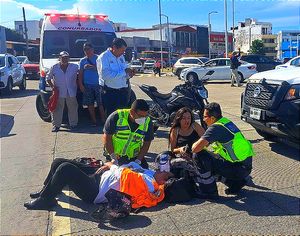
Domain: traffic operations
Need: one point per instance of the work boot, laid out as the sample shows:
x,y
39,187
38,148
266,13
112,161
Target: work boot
x,y
235,188
40,204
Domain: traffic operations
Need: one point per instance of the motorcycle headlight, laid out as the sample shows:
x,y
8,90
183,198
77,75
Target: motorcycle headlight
x,y
293,93
203,93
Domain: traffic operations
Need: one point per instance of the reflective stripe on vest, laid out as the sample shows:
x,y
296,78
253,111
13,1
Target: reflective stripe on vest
x,y
236,150
126,142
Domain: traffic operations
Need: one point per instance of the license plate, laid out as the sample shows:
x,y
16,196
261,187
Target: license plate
x,y
255,113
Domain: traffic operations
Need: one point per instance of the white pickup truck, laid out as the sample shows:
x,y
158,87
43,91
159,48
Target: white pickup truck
x,y
271,103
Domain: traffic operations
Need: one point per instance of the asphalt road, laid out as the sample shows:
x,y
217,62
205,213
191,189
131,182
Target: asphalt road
x,y
269,206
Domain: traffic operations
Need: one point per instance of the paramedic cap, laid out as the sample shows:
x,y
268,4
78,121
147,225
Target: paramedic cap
x,y
64,54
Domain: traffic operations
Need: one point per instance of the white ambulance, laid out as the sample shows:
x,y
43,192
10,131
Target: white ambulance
x,y
68,32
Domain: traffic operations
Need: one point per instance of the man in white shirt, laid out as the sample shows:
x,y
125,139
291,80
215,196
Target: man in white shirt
x,y
114,75
63,76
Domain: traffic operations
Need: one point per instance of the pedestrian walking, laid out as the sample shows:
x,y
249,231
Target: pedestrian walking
x,y
89,83
63,77
234,65
157,68
114,75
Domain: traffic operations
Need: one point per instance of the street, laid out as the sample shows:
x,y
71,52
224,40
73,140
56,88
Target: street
x,y
270,205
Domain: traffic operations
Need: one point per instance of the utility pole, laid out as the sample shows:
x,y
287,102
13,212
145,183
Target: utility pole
x,y
226,37
25,30
160,30
233,39
169,40
209,32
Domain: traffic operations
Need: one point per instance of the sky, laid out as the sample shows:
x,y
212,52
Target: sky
x,y
283,14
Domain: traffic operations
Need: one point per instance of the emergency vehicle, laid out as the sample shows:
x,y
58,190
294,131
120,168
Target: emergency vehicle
x,y
68,32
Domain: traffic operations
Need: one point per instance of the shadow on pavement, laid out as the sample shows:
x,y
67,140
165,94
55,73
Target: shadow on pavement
x,y
162,134
7,123
248,201
20,94
127,223
285,150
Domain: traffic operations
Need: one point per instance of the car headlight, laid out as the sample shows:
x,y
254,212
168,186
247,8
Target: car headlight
x,y
203,93
293,93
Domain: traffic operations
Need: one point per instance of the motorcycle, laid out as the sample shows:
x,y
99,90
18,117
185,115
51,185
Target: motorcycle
x,y
191,94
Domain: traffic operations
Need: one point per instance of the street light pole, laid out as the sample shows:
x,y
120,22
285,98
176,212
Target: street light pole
x,y
298,44
209,31
233,39
169,50
160,30
226,37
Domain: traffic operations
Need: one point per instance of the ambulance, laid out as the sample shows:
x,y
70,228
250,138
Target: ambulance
x,y
68,32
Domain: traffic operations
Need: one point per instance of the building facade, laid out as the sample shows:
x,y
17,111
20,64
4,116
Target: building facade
x,y
251,30
217,44
288,44
33,28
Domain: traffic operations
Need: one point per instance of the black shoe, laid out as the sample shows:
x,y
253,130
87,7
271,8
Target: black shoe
x,y
55,129
233,190
40,204
35,194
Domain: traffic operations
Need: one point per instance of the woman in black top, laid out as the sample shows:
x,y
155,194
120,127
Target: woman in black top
x,y
184,131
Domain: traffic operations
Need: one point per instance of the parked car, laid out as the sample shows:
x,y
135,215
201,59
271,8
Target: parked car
x,y
137,66
271,103
220,70
294,62
32,68
149,64
262,62
12,74
186,62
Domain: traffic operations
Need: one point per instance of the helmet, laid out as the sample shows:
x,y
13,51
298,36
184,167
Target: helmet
x,y
163,159
119,204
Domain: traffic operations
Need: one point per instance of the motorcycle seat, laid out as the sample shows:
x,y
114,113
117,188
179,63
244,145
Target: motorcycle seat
x,y
161,95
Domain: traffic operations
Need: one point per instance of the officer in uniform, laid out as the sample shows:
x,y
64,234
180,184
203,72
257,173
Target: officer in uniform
x,y
128,134
232,157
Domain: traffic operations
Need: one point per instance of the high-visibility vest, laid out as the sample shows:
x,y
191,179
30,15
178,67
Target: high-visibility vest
x,y
126,142
236,150
133,184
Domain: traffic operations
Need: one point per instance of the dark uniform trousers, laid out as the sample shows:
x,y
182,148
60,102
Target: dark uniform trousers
x,y
211,166
114,99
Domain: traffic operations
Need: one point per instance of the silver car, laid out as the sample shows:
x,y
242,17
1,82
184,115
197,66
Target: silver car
x,y
137,66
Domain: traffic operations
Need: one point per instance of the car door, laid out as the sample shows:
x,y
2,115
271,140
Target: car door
x,y
266,63
13,70
212,65
223,69
19,71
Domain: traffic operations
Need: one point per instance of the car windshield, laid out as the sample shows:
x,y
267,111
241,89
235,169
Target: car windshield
x,y
21,59
136,63
2,61
150,61
72,41
204,59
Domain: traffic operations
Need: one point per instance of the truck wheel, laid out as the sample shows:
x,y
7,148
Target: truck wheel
x,y
22,86
266,136
42,110
241,77
9,87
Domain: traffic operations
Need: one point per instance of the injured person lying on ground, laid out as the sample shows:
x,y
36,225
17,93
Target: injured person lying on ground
x,y
145,188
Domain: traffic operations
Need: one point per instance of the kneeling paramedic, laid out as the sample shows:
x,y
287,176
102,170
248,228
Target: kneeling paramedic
x,y
232,157
128,134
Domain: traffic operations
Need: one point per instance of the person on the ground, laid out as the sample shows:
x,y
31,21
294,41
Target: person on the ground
x,y
88,79
145,187
114,75
184,132
157,68
234,65
128,134
63,77
232,157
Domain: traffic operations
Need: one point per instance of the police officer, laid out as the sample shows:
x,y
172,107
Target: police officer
x,y
113,75
232,158
128,134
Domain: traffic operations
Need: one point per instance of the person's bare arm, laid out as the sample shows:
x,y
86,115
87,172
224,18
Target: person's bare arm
x,y
144,150
199,145
108,144
80,80
199,129
173,138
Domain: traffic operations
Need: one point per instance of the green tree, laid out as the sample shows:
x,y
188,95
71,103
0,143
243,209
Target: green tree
x,y
257,47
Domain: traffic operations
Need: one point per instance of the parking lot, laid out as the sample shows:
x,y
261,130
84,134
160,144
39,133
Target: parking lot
x,y
270,205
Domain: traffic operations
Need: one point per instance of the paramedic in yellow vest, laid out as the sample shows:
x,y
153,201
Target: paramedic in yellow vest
x,y
128,134
231,159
